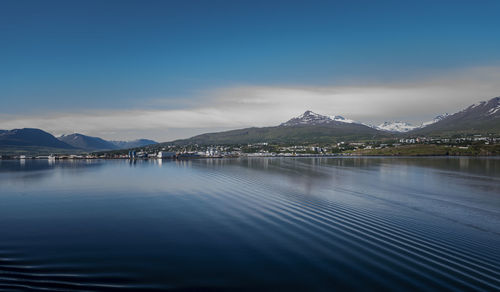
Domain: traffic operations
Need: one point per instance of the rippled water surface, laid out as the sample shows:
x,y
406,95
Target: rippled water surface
x,y
301,224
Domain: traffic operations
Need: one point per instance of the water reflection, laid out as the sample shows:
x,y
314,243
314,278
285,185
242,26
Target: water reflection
x,y
251,223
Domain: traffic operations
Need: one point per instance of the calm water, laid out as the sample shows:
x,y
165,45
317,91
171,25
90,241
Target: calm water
x,y
302,224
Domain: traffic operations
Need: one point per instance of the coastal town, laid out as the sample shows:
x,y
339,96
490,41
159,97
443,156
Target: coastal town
x,y
454,146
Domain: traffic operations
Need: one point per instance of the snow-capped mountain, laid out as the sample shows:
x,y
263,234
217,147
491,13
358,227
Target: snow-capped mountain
x,y
307,118
479,118
396,126
311,118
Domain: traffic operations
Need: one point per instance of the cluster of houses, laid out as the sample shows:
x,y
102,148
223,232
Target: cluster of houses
x,y
265,149
459,140
211,152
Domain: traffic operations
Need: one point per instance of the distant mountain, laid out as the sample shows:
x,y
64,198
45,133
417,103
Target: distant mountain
x,y
133,144
30,137
403,127
396,126
306,128
90,143
87,143
481,118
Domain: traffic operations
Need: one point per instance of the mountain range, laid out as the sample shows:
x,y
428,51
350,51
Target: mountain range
x,y
35,139
310,127
90,143
481,118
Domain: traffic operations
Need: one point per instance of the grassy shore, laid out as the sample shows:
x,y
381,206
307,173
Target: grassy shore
x,y
432,150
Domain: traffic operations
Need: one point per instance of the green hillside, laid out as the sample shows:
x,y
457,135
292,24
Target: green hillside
x,y
328,133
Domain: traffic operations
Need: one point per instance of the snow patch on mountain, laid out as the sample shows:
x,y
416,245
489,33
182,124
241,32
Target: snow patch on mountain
x,y
495,109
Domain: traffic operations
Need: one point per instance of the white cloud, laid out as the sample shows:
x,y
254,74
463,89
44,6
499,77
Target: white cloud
x,y
244,106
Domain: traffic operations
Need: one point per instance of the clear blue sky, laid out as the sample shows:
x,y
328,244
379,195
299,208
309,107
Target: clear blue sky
x,y
122,54
62,53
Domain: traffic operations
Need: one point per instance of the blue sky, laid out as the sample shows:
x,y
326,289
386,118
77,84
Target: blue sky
x,y
86,57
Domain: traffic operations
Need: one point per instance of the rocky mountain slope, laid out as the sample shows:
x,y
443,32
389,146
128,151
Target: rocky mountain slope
x,y
481,118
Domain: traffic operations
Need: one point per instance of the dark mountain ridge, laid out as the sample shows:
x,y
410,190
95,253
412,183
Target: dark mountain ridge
x,y
30,137
37,141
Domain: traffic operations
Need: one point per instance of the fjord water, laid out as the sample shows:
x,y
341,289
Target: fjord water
x,y
262,223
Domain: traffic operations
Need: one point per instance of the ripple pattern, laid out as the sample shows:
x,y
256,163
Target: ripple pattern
x,y
301,224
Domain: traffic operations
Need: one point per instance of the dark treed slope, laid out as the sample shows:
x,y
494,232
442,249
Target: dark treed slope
x,y
482,118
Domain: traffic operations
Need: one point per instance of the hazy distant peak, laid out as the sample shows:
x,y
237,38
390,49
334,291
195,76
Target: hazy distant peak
x,y
396,126
403,127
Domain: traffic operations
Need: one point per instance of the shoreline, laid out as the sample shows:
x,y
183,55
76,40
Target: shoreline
x,y
260,156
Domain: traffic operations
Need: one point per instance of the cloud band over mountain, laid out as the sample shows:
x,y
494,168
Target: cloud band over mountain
x,y
243,106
